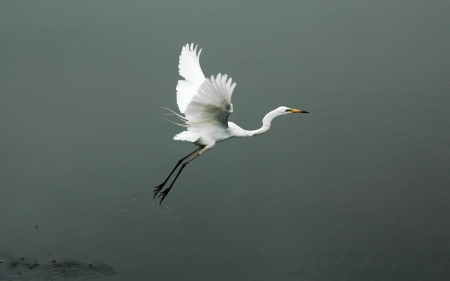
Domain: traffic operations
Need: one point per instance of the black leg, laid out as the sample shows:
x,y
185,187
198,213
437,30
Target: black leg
x,y
159,187
164,193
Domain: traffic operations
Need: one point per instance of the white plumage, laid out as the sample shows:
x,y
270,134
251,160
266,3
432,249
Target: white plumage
x,y
206,105
190,70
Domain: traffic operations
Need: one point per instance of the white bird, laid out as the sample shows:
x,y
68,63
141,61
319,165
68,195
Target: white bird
x,y
206,105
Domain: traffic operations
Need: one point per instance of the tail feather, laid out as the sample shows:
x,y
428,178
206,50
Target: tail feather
x,y
187,136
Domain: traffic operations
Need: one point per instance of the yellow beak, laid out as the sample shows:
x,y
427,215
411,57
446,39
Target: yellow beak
x,y
298,111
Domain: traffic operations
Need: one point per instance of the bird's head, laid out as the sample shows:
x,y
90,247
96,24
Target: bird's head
x,y
282,110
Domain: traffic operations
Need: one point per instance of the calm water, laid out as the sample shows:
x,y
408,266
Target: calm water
x,y
356,190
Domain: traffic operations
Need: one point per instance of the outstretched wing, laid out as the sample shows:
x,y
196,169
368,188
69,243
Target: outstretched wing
x,y
190,70
212,103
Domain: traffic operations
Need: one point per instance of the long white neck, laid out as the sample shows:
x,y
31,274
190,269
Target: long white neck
x,y
266,123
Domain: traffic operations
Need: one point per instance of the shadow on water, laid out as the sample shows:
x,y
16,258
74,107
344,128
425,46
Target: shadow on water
x,y
23,269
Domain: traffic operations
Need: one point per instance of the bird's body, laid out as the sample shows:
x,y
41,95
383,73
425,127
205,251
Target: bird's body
x,y
209,134
206,105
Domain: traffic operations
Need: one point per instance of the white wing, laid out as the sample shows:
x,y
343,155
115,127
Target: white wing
x,y
190,70
212,103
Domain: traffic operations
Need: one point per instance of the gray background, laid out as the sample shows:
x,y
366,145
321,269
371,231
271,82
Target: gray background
x,y
356,190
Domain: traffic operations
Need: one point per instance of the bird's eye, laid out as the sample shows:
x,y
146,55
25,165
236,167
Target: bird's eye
x,y
288,110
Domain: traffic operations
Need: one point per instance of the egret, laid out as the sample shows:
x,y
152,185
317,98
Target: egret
x,y
206,105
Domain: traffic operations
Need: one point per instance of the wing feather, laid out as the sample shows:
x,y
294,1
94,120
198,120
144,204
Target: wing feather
x,y
212,103
190,70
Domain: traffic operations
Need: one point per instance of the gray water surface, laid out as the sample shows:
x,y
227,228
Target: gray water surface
x,y
358,189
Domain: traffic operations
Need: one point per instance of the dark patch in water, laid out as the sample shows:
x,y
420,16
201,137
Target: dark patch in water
x,y
76,269
53,269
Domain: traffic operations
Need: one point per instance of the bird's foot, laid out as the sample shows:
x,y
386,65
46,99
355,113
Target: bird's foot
x,y
158,189
163,194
